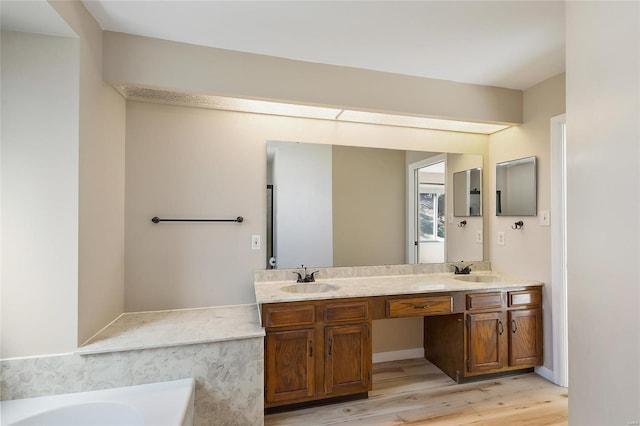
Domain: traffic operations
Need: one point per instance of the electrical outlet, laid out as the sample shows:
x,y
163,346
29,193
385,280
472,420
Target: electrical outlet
x,y
544,218
500,238
479,236
255,242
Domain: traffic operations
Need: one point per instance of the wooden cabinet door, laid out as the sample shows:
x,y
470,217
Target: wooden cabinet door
x,y
347,359
525,337
289,372
485,344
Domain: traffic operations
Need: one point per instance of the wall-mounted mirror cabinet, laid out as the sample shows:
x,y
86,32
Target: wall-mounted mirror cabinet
x,y
467,193
516,184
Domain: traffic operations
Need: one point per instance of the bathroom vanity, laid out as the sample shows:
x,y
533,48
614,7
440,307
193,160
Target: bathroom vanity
x,y
318,340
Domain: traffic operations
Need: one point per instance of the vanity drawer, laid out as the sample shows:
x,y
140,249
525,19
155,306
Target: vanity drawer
x,y
419,306
525,297
347,311
484,300
288,316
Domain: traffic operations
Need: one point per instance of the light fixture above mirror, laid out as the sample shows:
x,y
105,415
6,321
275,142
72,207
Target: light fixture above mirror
x,y
304,111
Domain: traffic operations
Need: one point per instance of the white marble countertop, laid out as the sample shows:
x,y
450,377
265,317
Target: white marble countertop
x,y
144,330
270,291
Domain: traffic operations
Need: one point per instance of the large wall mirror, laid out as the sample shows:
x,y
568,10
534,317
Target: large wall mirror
x,y
516,187
467,193
333,205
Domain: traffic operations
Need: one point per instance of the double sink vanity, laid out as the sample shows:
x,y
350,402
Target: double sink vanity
x,y
318,341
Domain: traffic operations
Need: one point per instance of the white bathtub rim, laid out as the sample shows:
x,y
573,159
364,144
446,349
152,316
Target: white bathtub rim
x,y
177,399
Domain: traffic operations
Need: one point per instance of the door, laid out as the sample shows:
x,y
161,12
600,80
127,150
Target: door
x,y
348,359
289,365
427,211
525,338
485,344
431,221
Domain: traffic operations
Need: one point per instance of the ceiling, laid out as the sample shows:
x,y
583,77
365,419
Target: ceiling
x,y
496,43
32,17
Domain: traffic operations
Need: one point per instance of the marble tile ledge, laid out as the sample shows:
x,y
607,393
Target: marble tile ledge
x,y
156,329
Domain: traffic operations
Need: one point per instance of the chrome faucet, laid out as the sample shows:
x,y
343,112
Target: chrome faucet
x,y
462,271
308,277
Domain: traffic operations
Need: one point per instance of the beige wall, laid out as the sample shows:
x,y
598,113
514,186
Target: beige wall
x,y
145,62
101,181
397,334
527,252
603,156
39,194
84,291
186,162
368,191
191,163
461,241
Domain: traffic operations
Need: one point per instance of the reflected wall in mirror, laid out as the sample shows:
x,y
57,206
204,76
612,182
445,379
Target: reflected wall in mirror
x,y
516,191
467,193
337,205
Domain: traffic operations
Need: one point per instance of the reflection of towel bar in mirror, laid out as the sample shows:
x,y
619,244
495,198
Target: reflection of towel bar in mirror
x,y
156,219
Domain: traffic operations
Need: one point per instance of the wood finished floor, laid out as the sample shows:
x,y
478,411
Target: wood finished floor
x,y
414,392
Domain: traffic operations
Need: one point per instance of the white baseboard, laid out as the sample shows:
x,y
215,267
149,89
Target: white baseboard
x,y
546,373
398,355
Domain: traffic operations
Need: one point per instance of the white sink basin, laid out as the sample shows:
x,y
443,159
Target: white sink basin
x,y
478,278
309,288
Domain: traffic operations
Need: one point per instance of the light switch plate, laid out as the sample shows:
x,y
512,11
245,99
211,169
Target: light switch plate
x,y
450,217
255,242
544,218
500,238
478,236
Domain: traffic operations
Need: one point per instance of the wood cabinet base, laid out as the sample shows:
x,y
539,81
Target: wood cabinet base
x,y
319,351
499,332
315,403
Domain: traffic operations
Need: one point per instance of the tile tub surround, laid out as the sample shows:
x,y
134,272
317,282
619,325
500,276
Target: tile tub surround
x,y
228,370
370,286
228,374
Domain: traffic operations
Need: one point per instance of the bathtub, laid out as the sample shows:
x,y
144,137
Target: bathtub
x,y
158,404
